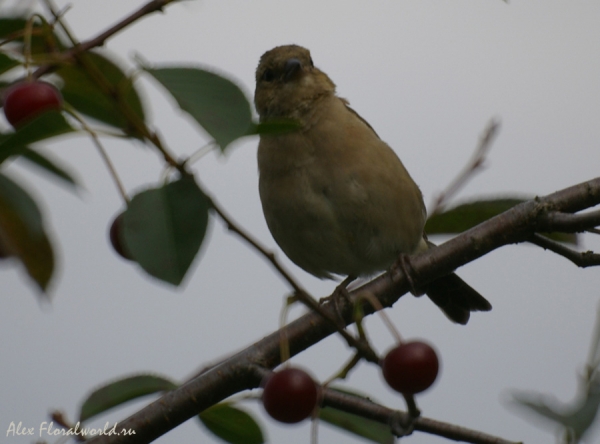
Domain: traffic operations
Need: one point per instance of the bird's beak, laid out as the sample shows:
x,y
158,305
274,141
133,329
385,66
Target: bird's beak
x,y
292,68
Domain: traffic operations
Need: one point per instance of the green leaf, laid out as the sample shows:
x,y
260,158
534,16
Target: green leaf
x,y
163,228
567,238
366,428
371,430
539,405
216,103
584,416
86,96
43,40
578,418
22,232
466,216
231,424
275,127
49,165
7,63
122,391
10,25
45,126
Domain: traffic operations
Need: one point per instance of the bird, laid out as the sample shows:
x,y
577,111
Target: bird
x,y
336,198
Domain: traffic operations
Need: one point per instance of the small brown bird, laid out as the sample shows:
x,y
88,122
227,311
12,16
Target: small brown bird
x,y
336,198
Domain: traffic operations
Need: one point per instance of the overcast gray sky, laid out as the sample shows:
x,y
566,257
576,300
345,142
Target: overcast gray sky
x,y
427,75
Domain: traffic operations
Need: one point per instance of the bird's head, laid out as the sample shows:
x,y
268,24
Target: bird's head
x,y
288,84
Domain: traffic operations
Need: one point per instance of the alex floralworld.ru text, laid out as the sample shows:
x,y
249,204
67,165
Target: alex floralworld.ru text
x,y
48,428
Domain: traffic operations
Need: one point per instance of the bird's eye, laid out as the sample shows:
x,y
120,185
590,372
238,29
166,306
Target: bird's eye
x,y
268,75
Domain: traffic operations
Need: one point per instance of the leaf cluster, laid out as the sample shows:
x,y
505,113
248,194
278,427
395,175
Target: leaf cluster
x,y
165,224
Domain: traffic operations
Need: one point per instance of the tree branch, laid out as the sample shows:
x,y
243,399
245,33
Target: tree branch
x,y
569,223
239,373
475,164
581,259
399,420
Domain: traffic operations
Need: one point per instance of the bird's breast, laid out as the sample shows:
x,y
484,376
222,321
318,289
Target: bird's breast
x,y
337,199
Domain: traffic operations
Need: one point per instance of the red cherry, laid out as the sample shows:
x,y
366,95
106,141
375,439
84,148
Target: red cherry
x,y
290,395
410,367
24,101
114,235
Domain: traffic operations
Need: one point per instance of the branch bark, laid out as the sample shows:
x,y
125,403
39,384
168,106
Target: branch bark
x,y
582,259
239,372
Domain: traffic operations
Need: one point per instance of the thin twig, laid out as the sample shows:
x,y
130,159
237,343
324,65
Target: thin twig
x,y
98,77
581,259
471,168
201,152
27,47
568,222
96,141
343,372
401,421
148,8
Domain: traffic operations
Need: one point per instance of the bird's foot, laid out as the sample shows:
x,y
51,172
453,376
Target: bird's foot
x,y
403,263
339,294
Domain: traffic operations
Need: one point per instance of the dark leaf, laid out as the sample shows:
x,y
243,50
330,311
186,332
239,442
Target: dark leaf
x,y
11,25
49,165
47,125
540,405
86,96
231,424
584,416
466,216
371,430
567,238
577,418
217,104
163,228
43,39
122,391
275,127
7,63
22,232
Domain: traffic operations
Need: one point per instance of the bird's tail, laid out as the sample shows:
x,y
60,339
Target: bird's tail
x,y
456,298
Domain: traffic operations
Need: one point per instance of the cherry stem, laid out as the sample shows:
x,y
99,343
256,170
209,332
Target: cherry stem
x,y
200,153
343,372
284,343
411,405
27,46
471,168
96,141
371,299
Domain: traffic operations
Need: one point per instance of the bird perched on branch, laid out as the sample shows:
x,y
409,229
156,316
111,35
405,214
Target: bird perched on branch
x,y
336,198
